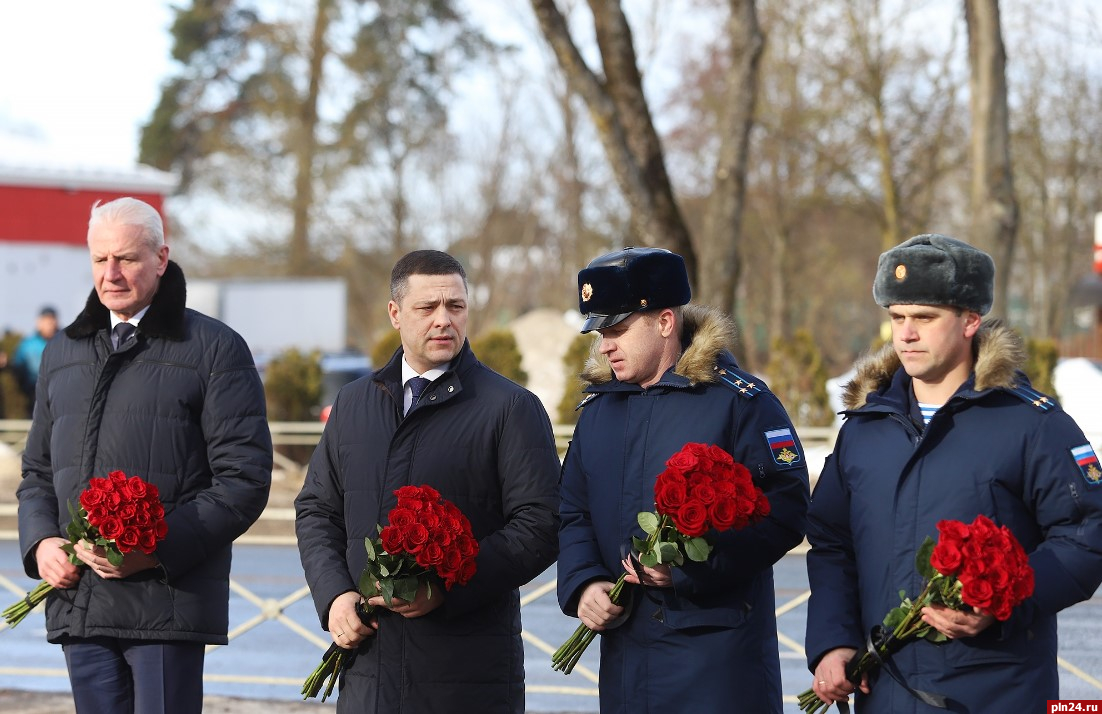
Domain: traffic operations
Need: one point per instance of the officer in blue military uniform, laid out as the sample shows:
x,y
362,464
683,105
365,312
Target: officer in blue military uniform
x,y
942,425
700,637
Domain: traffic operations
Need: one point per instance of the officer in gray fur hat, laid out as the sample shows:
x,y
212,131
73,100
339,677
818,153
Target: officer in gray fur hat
x,y
942,425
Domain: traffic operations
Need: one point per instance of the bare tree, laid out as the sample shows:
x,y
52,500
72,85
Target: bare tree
x,y
994,206
619,111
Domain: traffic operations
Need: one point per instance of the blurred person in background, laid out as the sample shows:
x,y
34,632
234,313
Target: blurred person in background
x,y
27,356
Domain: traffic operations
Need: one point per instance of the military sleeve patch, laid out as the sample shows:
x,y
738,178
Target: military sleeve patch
x,y
1087,462
782,444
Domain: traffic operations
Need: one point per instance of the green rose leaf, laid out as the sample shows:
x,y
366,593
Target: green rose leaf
x,y
922,559
367,584
667,553
697,549
640,545
370,545
114,557
648,521
649,559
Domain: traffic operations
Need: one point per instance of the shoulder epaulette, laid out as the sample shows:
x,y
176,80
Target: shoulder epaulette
x,y
589,398
1040,401
745,384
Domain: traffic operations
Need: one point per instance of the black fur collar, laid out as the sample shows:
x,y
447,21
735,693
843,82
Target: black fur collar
x,y
165,317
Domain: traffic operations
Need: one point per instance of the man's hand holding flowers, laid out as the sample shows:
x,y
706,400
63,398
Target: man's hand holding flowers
x,y
53,564
955,624
95,557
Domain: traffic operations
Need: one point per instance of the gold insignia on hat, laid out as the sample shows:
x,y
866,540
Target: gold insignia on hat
x,y
643,302
900,271
587,292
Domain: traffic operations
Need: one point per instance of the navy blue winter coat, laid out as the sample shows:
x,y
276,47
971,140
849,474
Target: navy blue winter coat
x,y
180,405
709,644
486,444
996,448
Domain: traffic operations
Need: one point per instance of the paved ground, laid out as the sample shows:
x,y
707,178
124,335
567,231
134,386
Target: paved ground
x,y
276,642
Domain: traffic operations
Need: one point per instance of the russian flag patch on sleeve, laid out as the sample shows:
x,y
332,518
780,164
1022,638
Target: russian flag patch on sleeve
x,y
1087,462
782,444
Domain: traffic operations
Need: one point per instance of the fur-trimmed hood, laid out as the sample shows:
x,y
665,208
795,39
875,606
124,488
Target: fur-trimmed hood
x,y
707,333
165,317
1000,354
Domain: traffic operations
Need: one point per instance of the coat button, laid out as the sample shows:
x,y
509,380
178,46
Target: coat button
x,y
432,398
451,389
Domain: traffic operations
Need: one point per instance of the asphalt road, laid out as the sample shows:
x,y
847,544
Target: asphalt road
x,y
276,641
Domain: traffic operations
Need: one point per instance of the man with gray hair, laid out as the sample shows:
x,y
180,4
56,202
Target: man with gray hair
x,y
138,383
942,425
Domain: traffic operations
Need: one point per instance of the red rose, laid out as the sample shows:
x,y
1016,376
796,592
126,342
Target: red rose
x,y
99,484
946,558
683,461
414,536
449,564
467,545
762,508
669,494
391,538
722,514
402,517
704,493
147,541
110,527
160,529
138,488
127,512
90,498
977,592
719,456
952,530
691,519
128,539
430,555
466,572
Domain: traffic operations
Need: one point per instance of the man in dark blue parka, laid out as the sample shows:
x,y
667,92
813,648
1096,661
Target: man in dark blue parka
x,y
941,424
701,637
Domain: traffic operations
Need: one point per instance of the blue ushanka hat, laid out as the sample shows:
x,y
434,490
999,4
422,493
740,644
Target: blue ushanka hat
x,y
617,284
932,269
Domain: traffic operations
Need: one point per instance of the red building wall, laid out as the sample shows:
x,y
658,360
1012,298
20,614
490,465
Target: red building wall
x,y
50,214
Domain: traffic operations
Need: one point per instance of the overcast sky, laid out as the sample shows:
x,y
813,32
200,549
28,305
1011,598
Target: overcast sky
x,y
79,78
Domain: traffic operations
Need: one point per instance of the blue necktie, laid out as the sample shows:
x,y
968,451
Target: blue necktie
x,y
417,388
122,333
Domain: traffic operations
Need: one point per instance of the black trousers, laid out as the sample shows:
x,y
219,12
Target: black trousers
x,y
115,676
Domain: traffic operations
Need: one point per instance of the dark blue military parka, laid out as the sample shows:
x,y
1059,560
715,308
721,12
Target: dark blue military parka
x,y
997,448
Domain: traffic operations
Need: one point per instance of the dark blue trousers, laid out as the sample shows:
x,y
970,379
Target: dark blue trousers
x,y
115,676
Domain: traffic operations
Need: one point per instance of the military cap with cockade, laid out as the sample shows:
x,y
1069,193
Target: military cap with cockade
x,y
617,284
933,269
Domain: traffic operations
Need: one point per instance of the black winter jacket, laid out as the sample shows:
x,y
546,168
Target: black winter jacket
x,y
486,445
182,406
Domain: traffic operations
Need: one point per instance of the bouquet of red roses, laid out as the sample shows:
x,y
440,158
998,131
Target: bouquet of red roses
x,y
426,534
702,488
119,513
979,565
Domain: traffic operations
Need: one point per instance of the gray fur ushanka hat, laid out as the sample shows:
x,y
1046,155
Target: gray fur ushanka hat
x,y
932,269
